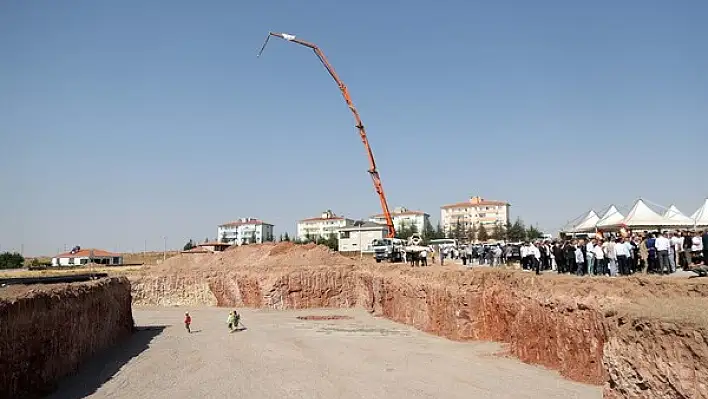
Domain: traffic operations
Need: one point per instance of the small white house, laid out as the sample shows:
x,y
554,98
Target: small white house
x,y
85,256
245,231
359,238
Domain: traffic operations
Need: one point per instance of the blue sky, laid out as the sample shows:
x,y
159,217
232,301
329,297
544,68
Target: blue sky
x,y
121,122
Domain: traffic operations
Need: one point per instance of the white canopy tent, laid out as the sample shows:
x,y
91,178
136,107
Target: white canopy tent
x,y
610,218
587,224
700,217
641,216
677,218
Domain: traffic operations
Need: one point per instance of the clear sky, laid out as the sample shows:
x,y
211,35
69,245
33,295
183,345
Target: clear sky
x,y
125,121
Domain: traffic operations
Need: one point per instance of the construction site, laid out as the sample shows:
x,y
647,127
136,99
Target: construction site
x,y
317,324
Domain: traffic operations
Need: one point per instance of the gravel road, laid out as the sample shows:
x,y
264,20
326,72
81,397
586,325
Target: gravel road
x,y
280,356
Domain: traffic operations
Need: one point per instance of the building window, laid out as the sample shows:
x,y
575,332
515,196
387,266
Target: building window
x,y
84,261
344,234
71,261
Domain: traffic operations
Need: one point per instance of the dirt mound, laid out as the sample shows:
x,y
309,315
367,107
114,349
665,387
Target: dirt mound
x,y
283,255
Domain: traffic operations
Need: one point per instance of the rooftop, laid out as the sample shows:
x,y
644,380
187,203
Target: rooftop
x,y
475,201
214,244
244,221
361,225
86,252
321,218
404,213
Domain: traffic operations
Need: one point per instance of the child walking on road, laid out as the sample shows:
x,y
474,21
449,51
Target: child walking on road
x,y
187,321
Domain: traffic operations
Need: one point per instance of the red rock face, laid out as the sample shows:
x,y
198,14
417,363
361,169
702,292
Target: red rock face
x,y
584,328
47,331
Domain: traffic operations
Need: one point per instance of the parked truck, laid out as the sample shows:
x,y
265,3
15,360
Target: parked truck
x,y
388,249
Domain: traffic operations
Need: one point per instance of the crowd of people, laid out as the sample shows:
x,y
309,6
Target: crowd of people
x,y
602,255
658,252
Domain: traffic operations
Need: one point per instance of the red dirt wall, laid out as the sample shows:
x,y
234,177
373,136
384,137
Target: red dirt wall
x,y
47,331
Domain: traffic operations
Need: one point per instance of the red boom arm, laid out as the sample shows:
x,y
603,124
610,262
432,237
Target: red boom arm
x,y
359,125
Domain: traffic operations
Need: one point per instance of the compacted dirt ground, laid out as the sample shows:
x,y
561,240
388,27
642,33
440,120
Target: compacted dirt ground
x,y
281,356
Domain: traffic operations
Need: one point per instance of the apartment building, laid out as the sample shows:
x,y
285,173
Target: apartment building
x,y
402,216
476,211
245,231
326,224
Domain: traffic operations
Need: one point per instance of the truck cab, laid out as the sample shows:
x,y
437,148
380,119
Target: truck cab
x,y
389,249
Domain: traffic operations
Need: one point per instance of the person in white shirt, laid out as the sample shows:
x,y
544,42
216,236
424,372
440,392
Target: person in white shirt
x,y
697,244
611,255
424,258
662,245
590,252
600,266
623,254
674,241
579,260
524,253
536,257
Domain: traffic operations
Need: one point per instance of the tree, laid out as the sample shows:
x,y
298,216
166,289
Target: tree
x,y
472,232
206,240
280,238
11,260
189,245
517,232
253,237
404,231
439,233
498,232
330,241
428,231
223,238
533,233
482,234
458,232
286,237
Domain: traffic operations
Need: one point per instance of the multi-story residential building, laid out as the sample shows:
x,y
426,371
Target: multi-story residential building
x,y
477,211
321,227
245,231
403,217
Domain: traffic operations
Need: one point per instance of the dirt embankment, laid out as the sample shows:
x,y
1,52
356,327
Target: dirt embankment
x,y
636,336
47,331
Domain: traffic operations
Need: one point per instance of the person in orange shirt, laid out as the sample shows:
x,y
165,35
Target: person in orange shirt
x,y
187,321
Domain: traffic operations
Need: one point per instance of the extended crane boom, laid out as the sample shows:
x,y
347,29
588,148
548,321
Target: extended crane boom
x,y
359,125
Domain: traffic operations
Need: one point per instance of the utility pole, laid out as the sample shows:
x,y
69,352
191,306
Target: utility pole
x,y
361,250
164,252
145,248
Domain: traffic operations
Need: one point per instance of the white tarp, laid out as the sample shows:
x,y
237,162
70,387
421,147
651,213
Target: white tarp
x,y
587,224
610,218
642,216
700,217
677,217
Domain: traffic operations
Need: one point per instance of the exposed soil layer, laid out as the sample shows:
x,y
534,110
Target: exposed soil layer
x,y
632,335
46,331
